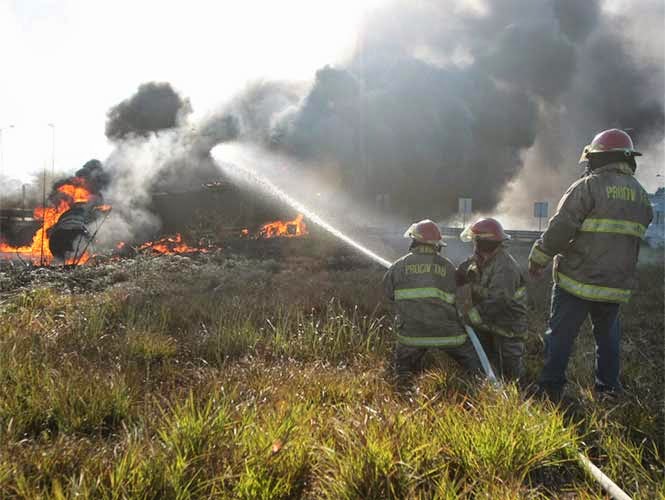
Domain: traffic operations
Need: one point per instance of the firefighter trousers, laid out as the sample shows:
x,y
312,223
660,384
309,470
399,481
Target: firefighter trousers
x,y
506,355
408,360
567,315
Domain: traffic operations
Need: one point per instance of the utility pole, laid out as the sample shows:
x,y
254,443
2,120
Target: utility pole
x,y
52,125
41,255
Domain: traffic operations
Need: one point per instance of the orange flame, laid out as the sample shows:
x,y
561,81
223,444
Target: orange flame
x,y
284,229
74,191
170,245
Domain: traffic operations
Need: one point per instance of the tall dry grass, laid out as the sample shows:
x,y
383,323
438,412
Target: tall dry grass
x,y
241,379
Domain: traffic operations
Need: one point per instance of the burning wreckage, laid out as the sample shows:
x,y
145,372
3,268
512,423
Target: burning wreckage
x,y
60,231
63,231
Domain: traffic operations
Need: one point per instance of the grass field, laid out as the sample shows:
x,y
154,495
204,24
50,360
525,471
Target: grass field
x,y
221,377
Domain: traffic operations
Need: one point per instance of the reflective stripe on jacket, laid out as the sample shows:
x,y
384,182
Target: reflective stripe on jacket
x,y
498,294
594,237
422,285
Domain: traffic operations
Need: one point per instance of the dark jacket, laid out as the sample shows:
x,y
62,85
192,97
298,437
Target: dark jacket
x,y
594,237
422,285
498,294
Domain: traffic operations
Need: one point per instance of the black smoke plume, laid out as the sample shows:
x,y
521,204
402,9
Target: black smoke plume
x,y
92,176
438,103
155,106
440,100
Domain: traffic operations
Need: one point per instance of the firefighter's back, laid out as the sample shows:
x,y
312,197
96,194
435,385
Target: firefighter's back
x,y
424,290
605,249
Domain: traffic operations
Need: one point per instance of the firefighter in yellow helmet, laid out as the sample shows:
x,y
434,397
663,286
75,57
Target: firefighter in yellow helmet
x,y
494,293
422,286
594,241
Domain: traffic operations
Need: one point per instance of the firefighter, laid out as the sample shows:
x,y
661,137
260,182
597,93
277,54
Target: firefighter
x,y
422,285
493,295
593,241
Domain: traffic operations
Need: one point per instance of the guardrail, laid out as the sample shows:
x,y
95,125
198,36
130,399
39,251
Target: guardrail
x,y
16,213
516,234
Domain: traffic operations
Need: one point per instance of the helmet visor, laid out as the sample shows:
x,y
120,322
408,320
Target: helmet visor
x,y
583,157
409,233
467,235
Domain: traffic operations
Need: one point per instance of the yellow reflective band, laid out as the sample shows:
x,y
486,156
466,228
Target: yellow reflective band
x,y
424,293
614,226
539,257
593,292
476,320
474,316
520,293
432,341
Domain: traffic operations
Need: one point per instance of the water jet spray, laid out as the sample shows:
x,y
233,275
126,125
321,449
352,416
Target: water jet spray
x,y
234,161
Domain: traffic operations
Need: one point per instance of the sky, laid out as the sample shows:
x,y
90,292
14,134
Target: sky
x,y
67,62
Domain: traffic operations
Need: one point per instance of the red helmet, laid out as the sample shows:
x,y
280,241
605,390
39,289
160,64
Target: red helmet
x,y
610,141
484,230
425,231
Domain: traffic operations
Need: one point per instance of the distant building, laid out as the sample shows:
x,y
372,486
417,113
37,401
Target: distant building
x,y
655,235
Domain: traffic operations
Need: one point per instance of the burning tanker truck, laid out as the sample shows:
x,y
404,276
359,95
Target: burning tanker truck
x,y
69,238
81,197
63,234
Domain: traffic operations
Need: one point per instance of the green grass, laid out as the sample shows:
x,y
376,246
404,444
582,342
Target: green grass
x,y
244,379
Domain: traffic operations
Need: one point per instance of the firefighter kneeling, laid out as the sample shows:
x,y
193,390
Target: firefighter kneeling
x,y
493,297
422,285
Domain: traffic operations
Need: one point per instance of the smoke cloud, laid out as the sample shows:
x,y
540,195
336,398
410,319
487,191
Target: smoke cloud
x,y
491,100
96,178
155,106
434,106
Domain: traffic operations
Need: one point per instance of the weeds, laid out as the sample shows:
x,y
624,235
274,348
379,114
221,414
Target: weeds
x,y
242,380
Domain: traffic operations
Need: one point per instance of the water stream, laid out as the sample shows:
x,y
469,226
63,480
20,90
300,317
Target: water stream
x,y
237,163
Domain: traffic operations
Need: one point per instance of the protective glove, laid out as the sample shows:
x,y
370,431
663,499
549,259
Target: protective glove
x,y
473,273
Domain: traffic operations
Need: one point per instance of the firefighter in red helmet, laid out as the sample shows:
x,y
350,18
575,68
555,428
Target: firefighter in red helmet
x,y
422,286
493,296
593,241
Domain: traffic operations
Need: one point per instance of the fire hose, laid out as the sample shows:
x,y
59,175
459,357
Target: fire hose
x,y
605,482
265,184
